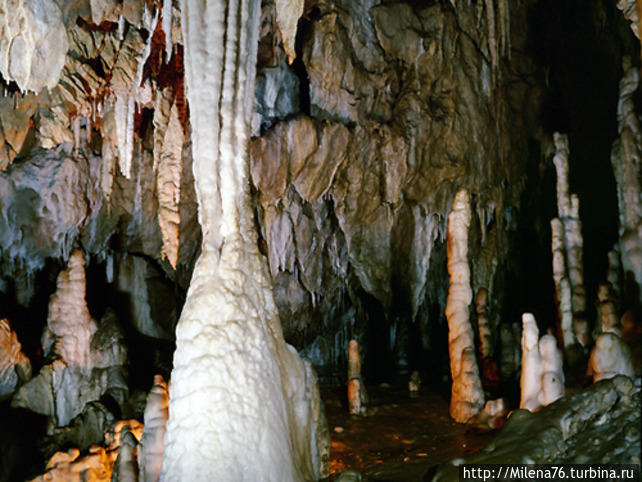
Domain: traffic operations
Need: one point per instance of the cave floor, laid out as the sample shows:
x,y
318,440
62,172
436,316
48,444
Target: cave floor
x,y
401,437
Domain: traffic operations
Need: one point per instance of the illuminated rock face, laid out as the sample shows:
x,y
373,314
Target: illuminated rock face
x,y
14,365
625,158
33,43
467,397
610,357
243,405
90,357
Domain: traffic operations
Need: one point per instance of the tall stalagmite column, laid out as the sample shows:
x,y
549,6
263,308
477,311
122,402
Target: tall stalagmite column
x,y
626,159
467,397
243,405
567,245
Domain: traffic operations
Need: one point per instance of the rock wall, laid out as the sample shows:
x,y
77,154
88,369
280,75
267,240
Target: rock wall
x,y
360,145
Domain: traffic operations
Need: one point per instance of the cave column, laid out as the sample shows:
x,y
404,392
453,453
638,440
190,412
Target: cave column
x,y
467,397
243,405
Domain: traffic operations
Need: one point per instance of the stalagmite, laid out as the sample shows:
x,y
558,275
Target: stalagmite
x,y
552,370
125,467
531,380
168,185
15,367
69,324
542,380
562,285
485,335
356,387
615,269
89,356
609,320
288,13
610,357
243,405
150,452
625,158
567,256
467,394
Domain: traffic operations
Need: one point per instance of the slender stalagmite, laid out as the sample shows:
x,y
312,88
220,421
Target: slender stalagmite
x,y
568,229
467,397
242,404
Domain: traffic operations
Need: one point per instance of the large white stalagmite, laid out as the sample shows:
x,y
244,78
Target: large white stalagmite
x,y
243,405
467,397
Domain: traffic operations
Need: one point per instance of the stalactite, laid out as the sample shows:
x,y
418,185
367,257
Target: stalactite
x,y
625,158
243,405
288,13
467,397
492,36
168,186
124,108
167,27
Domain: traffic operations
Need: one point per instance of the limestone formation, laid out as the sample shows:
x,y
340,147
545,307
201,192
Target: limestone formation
x,y
609,319
594,425
230,351
69,325
33,43
288,13
357,398
90,357
625,158
610,357
467,396
542,380
567,244
15,367
483,326
531,379
562,285
150,451
552,388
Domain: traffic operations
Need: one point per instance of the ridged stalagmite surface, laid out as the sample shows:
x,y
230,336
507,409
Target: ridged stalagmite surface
x,y
467,397
243,405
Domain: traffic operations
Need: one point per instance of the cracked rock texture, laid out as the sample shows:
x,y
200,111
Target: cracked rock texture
x,y
597,425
